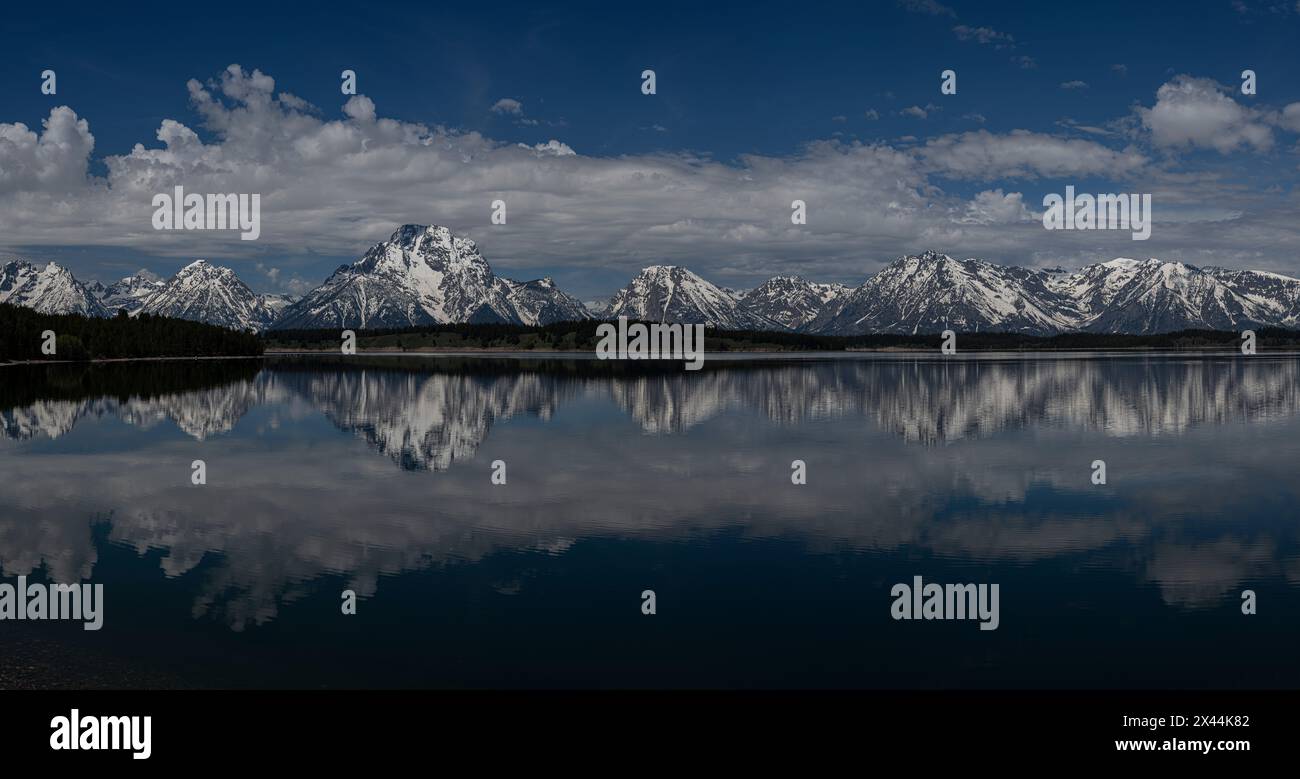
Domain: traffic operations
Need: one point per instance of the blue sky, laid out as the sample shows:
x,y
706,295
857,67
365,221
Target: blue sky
x,y
757,104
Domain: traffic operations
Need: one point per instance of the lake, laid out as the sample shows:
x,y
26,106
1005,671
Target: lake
x,y
375,474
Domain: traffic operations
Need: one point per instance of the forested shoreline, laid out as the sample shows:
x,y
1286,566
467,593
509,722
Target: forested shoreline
x,y
23,336
582,337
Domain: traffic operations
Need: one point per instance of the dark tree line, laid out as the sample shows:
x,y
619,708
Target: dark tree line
x,y
582,336
80,338
85,338
485,333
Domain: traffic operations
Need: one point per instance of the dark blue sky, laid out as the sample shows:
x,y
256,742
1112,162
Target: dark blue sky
x,y
760,77
754,78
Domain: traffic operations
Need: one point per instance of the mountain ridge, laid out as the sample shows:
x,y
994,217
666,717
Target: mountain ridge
x,y
49,290
427,275
203,292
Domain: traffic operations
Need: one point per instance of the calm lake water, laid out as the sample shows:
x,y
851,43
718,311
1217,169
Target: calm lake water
x,y
374,474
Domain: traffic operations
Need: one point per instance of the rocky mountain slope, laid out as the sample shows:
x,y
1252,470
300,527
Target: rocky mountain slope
x,y
49,290
129,293
669,293
425,276
203,292
792,301
932,292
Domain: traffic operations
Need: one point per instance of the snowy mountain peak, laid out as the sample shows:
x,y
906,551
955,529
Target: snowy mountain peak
x,y
49,290
130,292
540,302
791,301
422,250
203,292
406,235
431,238
206,270
930,292
1153,295
670,293
424,275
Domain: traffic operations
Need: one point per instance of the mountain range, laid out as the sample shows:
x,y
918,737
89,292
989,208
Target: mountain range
x,y
426,275
199,292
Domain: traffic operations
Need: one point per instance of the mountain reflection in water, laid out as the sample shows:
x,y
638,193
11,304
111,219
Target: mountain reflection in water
x,y
976,466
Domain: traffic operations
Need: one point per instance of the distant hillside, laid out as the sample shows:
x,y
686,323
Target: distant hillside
x,y
88,338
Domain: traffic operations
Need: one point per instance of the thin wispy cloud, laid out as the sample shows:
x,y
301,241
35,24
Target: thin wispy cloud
x,y
929,7
983,35
508,105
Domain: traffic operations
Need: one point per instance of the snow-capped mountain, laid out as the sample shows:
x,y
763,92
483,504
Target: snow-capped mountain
x,y
930,292
130,292
540,302
1272,296
423,276
427,275
203,292
792,301
668,293
49,290
1153,296
276,303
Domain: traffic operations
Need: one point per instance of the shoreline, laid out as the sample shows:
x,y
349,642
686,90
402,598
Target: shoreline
x,y
803,352
731,353
103,360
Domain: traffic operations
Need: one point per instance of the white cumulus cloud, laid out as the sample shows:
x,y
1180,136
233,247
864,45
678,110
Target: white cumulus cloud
x,y
1199,112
